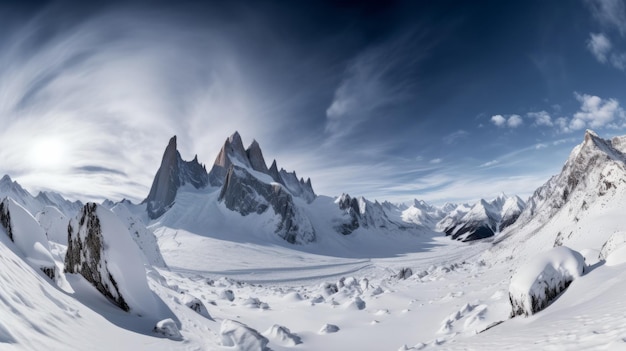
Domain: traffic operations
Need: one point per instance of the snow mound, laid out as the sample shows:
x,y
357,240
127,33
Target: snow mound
x,y
102,251
328,329
24,230
195,304
355,304
227,294
615,240
244,338
283,335
543,278
167,327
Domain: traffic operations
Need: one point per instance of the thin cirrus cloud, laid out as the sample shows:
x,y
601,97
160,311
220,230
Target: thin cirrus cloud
x,y
377,77
611,15
106,92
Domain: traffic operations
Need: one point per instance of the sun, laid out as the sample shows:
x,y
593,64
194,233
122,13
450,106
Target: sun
x,y
47,153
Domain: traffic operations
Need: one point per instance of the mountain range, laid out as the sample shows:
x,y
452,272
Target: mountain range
x,y
145,267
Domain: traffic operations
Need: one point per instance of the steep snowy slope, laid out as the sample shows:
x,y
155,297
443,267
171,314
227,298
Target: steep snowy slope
x,y
580,207
484,219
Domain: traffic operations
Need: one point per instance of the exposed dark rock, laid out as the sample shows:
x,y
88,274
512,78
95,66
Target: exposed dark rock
x,y
85,255
232,149
255,156
363,213
404,273
172,174
5,219
245,194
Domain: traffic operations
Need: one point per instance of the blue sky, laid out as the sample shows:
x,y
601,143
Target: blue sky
x,y
393,100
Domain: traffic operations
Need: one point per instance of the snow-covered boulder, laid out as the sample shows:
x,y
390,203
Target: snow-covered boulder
x,y
615,240
244,338
168,328
24,230
538,283
196,304
283,335
329,329
102,251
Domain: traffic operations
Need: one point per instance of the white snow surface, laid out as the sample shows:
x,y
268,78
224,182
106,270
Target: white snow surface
x,y
28,236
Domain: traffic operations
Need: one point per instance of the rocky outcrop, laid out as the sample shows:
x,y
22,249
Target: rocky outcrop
x,y
173,173
85,255
244,193
542,279
102,251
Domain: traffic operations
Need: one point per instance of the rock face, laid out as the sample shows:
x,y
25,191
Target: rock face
x,y
482,220
363,213
172,174
234,154
102,251
244,193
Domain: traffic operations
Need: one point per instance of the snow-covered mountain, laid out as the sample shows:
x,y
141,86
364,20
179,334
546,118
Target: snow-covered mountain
x,y
581,206
34,204
271,201
482,220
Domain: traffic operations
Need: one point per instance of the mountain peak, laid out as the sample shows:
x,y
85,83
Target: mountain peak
x,y
255,156
589,134
6,179
172,174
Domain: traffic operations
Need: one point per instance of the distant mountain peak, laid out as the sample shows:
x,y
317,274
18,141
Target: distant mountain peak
x,y
173,173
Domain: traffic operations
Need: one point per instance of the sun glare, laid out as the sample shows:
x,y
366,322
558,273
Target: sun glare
x,y
47,153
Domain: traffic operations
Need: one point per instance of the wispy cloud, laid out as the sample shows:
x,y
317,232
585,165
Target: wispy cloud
x,y
610,13
376,78
455,136
109,90
490,163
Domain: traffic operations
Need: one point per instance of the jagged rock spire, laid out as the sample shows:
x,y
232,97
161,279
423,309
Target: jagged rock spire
x,y
172,174
255,156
